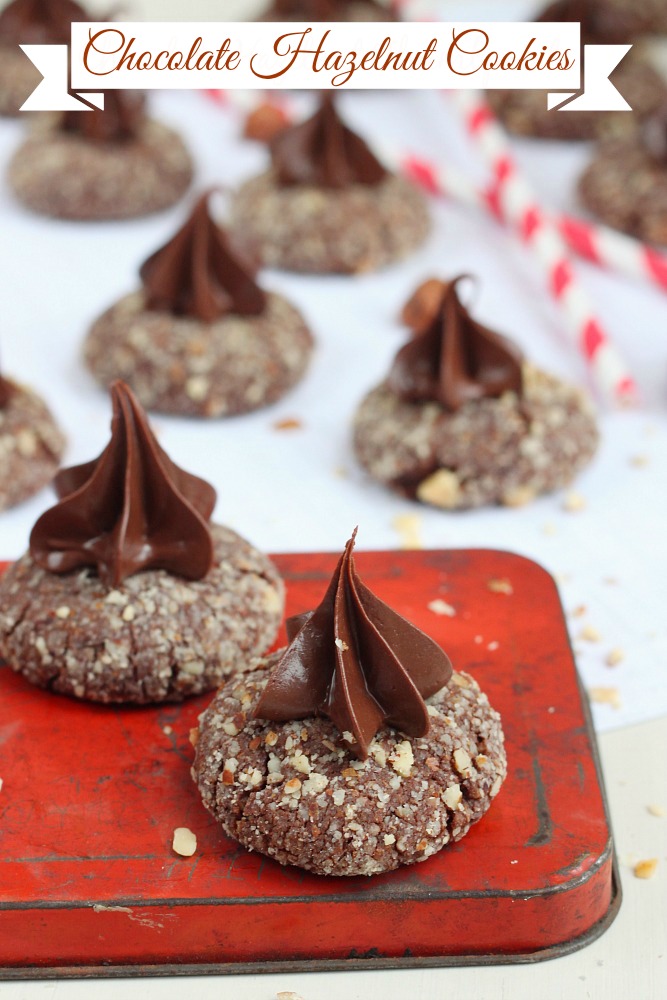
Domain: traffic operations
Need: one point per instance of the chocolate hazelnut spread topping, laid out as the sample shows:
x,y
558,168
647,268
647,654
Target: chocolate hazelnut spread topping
x,y
600,21
120,121
128,510
317,10
35,22
454,359
357,662
198,274
324,153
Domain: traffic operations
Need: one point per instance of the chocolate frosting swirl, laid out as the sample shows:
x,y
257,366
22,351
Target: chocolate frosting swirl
x,y
601,22
198,274
317,10
324,153
129,510
454,359
36,22
120,121
357,662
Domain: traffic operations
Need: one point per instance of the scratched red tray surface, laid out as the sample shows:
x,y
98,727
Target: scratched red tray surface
x,y
89,884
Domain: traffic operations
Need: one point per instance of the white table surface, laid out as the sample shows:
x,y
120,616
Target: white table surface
x,y
285,491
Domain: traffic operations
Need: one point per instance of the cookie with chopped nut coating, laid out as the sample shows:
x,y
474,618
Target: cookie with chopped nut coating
x,y
31,444
181,365
293,791
506,450
65,176
155,638
354,230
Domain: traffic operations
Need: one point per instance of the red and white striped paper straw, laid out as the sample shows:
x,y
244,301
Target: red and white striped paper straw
x,y
539,231
602,246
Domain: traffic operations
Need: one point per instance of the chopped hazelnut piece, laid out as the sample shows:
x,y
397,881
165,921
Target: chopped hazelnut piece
x,y
452,796
408,527
573,502
500,586
614,657
654,810
462,762
440,607
646,868
605,696
590,634
288,424
184,842
442,489
292,787
264,123
402,758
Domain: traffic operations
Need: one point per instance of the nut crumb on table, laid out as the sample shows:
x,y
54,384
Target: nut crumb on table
x,y
408,527
573,502
646,868
184,842
605,696
614,657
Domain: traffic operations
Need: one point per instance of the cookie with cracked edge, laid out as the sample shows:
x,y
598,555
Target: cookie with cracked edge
x,y
293,791
154,638
31,444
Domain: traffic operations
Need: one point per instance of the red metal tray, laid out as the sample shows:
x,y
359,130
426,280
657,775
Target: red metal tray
x,y
89,884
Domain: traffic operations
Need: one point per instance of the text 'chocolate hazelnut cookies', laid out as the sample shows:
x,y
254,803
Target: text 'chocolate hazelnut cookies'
x,y
462,420
603,22
128,593
201,338
354,750
625,184
99,165
31,444
30,22
312,11
327,205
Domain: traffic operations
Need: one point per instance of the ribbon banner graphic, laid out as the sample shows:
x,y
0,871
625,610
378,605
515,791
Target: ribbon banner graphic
x,y
218,55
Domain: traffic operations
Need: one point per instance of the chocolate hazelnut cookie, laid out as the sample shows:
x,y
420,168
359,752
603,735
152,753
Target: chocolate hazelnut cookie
x,y
128,593
31,444
97,165
354,750
327,205
625,184
200,338
609,22
463,421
